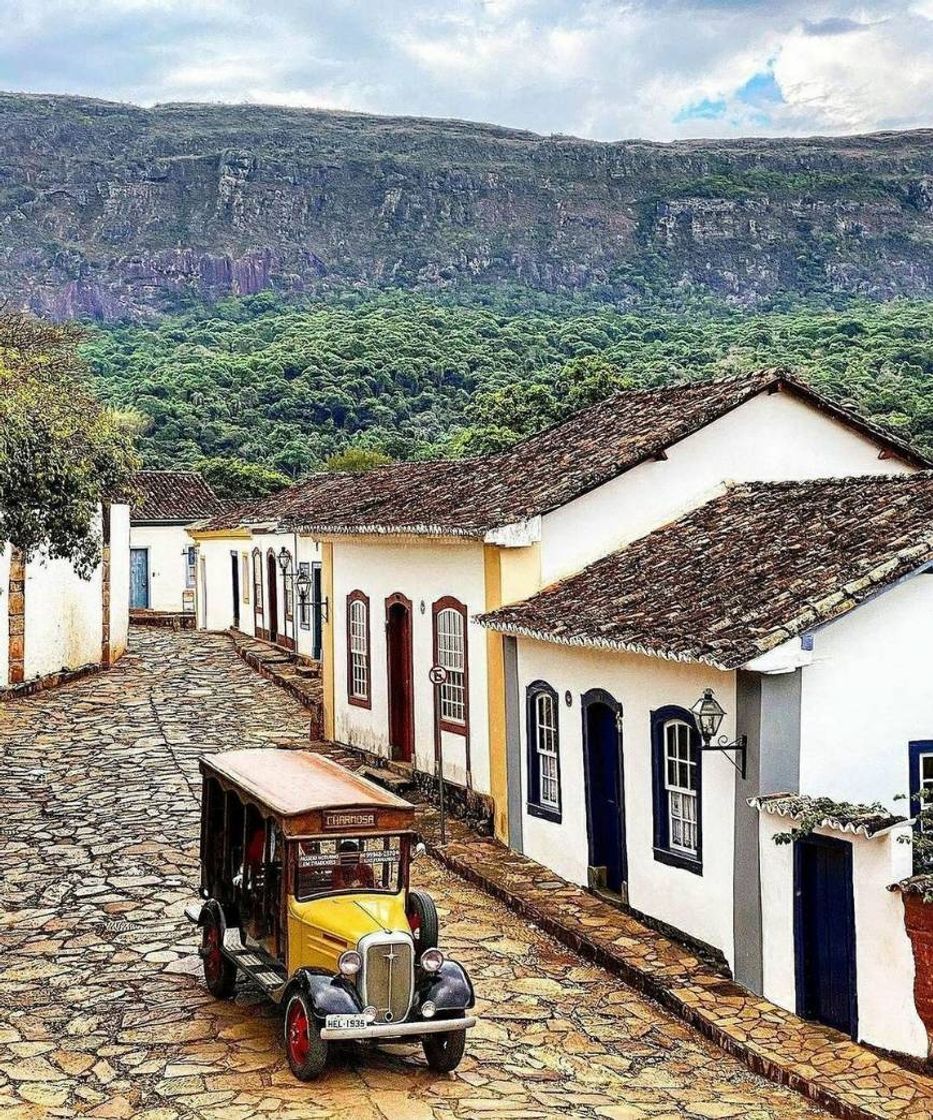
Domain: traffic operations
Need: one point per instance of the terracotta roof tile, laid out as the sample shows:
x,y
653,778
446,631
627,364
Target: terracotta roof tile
x,y
742,574
173,496
470,497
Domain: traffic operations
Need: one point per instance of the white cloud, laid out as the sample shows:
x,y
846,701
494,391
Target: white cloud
x,y
602,68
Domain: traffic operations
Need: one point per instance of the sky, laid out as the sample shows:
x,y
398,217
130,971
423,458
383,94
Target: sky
x,y
604,69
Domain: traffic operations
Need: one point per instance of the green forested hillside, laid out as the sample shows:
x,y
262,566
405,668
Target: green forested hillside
x,y
289,385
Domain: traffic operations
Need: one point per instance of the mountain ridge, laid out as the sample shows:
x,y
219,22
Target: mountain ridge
x,y
110,210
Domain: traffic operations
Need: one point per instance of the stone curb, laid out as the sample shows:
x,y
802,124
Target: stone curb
x,y
648,985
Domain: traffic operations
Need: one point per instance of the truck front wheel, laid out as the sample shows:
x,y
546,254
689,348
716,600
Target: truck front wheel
x,y
444,1051
306,1050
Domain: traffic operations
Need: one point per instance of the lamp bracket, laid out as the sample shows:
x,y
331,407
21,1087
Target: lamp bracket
x,y
739,747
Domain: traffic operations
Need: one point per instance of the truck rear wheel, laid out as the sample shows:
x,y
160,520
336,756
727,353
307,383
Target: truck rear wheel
x,y
219,971
444,1050
306,1050
422,917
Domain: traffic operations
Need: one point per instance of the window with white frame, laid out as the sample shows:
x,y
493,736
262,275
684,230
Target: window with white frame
x,y
451,654
680,770
923,791
244,577
544,799
358,662
677,775
191,560
257,580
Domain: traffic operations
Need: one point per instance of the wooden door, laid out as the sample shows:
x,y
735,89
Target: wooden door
x,y
605,802
272,596
139,578
400,678
824,933
235,587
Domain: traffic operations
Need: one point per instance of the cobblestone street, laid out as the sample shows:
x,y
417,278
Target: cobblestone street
x,y
103,1011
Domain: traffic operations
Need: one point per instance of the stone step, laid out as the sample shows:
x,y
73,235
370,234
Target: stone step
x,y
388,779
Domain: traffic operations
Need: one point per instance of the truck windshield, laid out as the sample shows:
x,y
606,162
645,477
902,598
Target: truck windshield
x,y
371,863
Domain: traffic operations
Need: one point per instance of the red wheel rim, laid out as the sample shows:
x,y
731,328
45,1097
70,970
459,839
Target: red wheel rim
x,y
296,1033
212,954
414,922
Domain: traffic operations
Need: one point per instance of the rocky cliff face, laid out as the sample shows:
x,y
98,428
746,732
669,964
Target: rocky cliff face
x,y
111,210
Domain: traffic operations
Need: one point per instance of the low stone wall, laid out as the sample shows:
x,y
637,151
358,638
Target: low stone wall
x,y
171,620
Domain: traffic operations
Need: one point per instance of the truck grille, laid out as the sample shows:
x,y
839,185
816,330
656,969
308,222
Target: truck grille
x,y
388,975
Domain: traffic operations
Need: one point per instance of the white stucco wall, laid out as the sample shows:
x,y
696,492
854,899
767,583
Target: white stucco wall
x,y
771,437
119,579
699,905
866,695
167,563
887,1016
424,571
63,618
215,601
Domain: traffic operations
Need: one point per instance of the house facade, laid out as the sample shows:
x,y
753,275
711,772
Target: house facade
x,y
804,607
53,623
260,579
162,553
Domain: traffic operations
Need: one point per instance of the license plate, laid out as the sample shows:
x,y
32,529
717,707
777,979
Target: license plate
x,y
345,1022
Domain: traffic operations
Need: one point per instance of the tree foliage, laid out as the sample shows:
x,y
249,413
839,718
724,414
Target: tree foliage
x,y
61,451
289,385
235,478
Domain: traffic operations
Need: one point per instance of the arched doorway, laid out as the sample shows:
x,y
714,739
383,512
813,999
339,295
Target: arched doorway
x,y
272,576
400,678
605,790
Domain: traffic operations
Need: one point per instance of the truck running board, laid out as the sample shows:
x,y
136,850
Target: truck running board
x,y
260,968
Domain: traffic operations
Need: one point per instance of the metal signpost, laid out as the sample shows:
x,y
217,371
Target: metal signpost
x,y
437,676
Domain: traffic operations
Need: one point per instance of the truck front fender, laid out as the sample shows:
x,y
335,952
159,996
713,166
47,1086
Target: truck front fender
x,y
449,988
328,994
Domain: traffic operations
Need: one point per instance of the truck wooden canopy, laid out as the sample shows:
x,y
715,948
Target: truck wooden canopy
x,y
308,794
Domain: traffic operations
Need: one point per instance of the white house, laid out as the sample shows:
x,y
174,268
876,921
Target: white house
x,y
259,578
412,552
806,608
162,559
53,623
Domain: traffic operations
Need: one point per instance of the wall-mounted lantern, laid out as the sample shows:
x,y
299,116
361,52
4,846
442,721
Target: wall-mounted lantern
x,y
285,559
708,715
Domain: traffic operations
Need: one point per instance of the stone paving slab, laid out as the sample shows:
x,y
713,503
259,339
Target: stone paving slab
x,y
103,1011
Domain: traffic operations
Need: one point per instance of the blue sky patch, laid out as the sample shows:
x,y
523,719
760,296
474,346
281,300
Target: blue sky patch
x,y
705,110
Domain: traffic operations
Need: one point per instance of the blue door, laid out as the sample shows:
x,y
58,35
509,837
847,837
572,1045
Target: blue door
x,y
824,933
139,577
602,718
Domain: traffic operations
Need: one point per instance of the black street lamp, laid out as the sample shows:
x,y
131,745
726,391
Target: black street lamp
x,y
708,715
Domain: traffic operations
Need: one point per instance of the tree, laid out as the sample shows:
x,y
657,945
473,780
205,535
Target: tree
x,y
235,478
357,460
62,453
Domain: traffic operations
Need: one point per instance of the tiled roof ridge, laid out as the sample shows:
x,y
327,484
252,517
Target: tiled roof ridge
x,y
606,605
841,481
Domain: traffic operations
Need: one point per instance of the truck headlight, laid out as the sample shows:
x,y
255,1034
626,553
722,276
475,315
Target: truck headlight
x,y
431,960
428,1009
350,963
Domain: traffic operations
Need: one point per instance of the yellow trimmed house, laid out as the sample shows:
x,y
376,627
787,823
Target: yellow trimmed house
x,y
411,553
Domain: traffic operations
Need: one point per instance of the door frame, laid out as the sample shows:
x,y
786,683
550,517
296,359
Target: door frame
x,y
587,700
235,588
142,548
317,610
272,596
817,841
398,599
